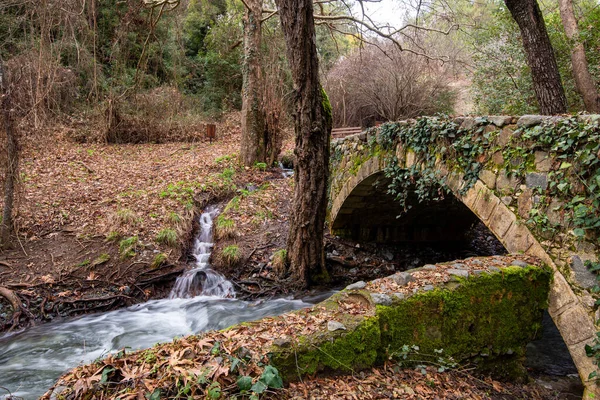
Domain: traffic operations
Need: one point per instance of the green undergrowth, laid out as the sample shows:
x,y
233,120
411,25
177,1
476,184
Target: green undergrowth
x,y
485,321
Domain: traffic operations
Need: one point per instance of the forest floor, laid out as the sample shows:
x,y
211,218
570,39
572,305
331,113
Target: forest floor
x,y
103,226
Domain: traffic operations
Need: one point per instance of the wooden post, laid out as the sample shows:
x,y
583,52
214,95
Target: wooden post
x,y
211,131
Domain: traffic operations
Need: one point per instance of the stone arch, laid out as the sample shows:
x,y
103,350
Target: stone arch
x,y
565,308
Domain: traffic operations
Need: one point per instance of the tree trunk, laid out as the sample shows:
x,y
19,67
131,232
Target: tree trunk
x,y
312,125
12,160
540,56
253,148
583,79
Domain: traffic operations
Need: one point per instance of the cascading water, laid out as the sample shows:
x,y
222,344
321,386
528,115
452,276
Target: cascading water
x,y
203,279
202,300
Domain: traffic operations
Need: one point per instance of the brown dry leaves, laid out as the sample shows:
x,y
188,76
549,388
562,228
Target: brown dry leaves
x,y
82,186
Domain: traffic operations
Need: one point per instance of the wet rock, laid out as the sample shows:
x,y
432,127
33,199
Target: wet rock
x,y
333,326
381,299
458,272
402,278
357,285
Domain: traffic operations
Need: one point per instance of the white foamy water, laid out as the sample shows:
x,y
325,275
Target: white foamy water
x,y
202,279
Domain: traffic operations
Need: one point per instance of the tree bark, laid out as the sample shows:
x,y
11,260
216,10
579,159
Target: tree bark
x,y
253,146
12,160
547,85
583,79
312,125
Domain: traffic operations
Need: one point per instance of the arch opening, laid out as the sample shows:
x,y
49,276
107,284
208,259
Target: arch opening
x,y
369,214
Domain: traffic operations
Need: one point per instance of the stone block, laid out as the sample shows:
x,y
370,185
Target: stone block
x,y
501,220
538,251
489,178
527,121
410,158
468,123
470,197
582,275
518,238
498,158
543,163
575,325
555,212
561,295
455,181
500,120
506,183
505,135
536,180
485,204
525,203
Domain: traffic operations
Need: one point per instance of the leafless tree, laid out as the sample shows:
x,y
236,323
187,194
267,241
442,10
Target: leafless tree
x,y
373,85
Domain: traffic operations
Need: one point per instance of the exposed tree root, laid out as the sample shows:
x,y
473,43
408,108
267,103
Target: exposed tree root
x,y
16,304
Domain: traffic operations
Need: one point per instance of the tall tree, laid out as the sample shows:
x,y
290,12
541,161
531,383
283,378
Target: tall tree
x,y
12,159
253,146
547,85
583,78
312,125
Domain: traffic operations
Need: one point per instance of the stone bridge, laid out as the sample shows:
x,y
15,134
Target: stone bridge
x,y
525,178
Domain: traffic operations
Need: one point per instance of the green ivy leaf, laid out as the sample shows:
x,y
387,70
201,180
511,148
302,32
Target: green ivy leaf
x,y
271,377
244,383
258,387
578,232
154,395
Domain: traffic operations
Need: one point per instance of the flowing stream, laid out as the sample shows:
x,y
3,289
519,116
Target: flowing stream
x,y
201,300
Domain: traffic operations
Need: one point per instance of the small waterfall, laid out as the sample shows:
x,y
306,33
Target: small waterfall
x,y
285,172
202,280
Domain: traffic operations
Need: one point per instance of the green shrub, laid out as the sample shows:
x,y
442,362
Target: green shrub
x,y
158,260
167,236
127,247
225,227
231,255
113,236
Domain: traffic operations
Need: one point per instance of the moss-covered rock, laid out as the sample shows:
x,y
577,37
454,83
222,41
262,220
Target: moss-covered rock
x,y
485,320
